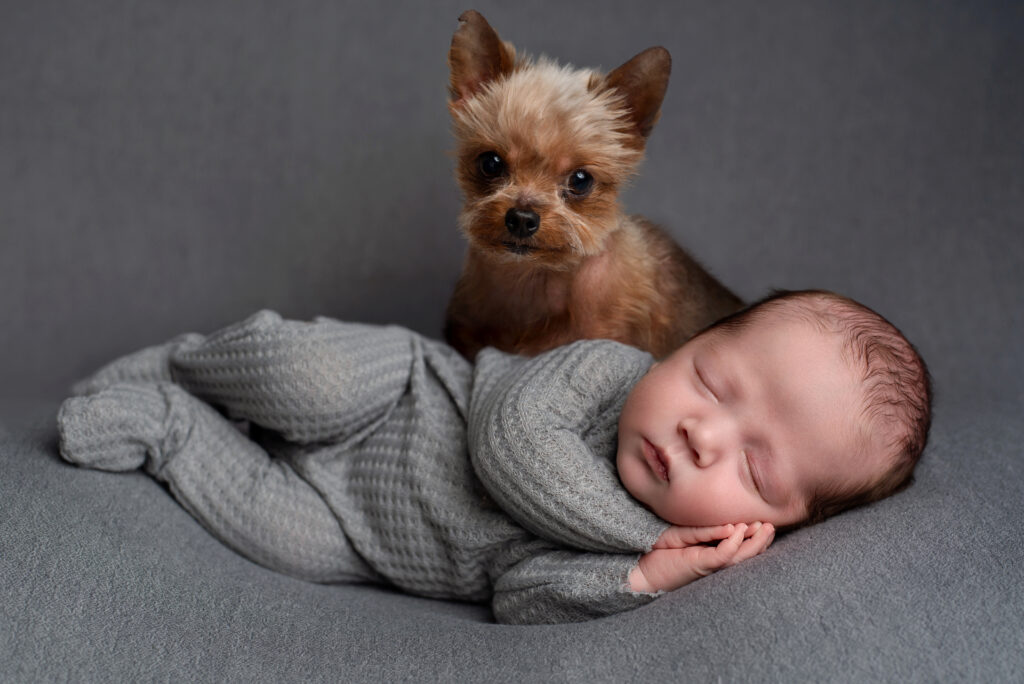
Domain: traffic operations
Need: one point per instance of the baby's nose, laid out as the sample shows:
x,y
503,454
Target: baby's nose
x,y
687,438
702,442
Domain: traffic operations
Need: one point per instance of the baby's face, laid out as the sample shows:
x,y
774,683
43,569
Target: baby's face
x,y
743,426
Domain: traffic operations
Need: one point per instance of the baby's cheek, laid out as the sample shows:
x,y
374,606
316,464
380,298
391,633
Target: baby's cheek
x,y
707,503
628,474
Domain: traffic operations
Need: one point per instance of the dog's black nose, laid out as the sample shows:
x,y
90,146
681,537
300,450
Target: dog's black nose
x,y
522,222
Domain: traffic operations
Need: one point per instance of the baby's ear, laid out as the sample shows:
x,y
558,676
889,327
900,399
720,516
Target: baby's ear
x,y
477,56
642,81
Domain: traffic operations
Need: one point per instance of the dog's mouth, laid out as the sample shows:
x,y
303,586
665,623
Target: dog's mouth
x,y
516,247
520,249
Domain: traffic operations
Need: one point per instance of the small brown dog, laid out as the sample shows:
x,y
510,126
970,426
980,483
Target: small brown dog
x,y
542,152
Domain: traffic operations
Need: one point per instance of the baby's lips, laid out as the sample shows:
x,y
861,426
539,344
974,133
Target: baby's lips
x,y
656,460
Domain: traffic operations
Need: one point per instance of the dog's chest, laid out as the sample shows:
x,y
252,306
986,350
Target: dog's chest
x,y
572,295
537,295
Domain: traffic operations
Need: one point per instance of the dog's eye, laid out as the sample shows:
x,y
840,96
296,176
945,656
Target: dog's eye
x,y
490,164
580,182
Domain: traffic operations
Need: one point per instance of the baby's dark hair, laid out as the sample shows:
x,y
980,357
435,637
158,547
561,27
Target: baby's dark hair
x,y
897,386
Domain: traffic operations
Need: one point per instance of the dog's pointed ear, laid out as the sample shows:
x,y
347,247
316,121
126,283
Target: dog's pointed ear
x,y
477,56
642,81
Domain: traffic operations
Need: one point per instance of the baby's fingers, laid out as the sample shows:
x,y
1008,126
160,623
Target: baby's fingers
x,y
677,537
757,543
714,558
735,548
729,546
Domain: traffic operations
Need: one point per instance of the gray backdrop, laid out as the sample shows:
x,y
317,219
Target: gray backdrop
x,y
175,166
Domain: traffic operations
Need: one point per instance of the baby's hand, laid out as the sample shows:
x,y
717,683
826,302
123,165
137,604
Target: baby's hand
x,y
677,537
680,556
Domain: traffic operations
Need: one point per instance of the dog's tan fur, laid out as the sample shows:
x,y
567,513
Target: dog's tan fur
x,y
590,271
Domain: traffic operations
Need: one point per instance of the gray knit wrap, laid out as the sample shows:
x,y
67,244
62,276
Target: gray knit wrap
x,y
344,452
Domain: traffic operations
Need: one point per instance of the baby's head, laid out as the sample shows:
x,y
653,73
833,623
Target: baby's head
x,y
792,410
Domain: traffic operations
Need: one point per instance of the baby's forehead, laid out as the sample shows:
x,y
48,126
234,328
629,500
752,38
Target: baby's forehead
x,y
778,319
799,371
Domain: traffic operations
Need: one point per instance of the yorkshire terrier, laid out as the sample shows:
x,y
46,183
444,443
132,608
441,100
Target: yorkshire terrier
x,y
542,151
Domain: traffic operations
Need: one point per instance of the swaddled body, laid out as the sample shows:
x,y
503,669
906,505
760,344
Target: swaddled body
x,y
378,455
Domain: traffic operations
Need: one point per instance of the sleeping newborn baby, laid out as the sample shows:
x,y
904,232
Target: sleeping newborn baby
x,y
582,482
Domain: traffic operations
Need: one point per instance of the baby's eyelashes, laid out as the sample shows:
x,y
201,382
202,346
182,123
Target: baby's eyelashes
x,y
703,386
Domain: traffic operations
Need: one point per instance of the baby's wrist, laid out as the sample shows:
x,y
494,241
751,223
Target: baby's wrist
x,y
638,581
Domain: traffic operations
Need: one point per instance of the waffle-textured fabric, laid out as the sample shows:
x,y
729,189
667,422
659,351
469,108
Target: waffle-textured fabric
x,y
340,452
